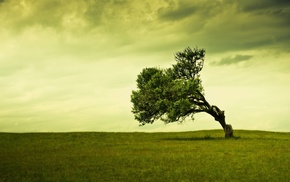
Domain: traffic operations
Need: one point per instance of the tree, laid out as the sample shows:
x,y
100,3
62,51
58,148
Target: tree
x,y
175,93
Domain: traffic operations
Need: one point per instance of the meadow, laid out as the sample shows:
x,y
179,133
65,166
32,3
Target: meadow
x,y
184,156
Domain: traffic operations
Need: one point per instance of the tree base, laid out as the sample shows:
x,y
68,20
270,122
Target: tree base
x,y
229,132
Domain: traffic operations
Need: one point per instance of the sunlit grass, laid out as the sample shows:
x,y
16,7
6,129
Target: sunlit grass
x,y
187,156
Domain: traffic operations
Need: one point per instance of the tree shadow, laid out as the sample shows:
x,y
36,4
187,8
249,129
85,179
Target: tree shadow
x,y
204,138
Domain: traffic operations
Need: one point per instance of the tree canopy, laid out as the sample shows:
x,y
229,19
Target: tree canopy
x,y
175,93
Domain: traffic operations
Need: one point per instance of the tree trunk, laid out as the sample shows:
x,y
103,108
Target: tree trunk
x,y
218,114
228,129
229,132
220,117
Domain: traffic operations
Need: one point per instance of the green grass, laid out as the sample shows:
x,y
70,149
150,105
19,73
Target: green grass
x,y
186,156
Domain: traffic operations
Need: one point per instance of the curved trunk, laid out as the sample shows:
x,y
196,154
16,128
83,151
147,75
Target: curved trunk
x,y
220,117
229,132
215,112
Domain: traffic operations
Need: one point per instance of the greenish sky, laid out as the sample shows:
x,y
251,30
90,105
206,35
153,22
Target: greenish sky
x,y
71,65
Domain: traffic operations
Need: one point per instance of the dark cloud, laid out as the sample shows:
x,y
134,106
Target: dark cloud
x,y
280,10
189,9
179,13
54,14
225,26
218,26
265,4
233,60
235,29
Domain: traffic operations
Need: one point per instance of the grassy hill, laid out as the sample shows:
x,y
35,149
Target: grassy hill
x,y
185,156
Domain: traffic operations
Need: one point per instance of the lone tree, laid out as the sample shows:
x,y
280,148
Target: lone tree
x,y
175,93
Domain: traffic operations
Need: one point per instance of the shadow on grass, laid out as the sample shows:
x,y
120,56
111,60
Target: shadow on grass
x,y
206,137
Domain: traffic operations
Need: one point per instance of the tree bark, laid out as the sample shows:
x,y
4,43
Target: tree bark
x,y
227,127
229,132
219,116
214,111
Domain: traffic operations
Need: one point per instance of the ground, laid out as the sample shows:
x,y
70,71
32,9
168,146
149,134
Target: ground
x,y
185,156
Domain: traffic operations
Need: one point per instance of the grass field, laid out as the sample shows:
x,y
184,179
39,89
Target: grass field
x,y
186,156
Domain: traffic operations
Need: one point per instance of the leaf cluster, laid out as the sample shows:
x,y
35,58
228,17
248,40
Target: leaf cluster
x,y
170,94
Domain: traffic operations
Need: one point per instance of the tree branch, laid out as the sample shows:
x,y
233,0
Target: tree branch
x,y
203,99
194,111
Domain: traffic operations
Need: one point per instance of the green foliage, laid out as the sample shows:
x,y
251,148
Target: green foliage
x,y
189,63
171,94
145,76
186,156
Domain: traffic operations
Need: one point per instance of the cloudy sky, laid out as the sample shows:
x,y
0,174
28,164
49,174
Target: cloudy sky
x,y
71,65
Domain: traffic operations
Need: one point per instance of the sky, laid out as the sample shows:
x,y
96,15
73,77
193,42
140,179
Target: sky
x,y
72,65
